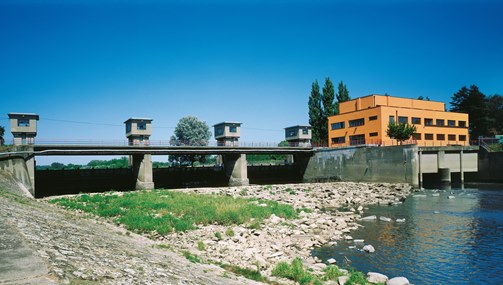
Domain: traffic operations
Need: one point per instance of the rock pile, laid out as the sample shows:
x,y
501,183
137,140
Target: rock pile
x,y
334,209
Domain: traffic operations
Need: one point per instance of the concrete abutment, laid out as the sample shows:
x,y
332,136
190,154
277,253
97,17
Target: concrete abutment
x,y
235,166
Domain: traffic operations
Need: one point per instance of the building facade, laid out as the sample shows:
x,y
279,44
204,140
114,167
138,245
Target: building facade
x,y
138,131
365,120
23,127
227,133
298,136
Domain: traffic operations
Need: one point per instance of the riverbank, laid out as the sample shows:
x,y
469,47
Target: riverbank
x,y
280,240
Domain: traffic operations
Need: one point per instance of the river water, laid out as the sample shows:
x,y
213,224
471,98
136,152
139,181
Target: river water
x,y
442,241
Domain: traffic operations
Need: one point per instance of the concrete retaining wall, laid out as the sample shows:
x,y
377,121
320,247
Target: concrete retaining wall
x,y
60,182
490,167
16,167
364,164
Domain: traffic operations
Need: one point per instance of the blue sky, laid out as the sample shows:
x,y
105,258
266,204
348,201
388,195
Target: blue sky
x,y
250,61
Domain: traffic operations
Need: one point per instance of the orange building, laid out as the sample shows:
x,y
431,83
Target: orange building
x,y
365,120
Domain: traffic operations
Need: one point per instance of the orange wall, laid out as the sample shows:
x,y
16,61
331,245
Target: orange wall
x,y
372,101
381,124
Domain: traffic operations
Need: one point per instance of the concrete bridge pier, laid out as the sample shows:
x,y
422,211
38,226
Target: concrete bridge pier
x,y
142,170
235,166
445,176
30,165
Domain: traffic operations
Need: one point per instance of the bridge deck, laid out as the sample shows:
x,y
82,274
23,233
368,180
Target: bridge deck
x,y
46,150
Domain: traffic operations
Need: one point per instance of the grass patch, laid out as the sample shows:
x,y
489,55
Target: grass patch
x,y
165,211
295,271
191,257
356,277
229,232
201,246
218,235
245,272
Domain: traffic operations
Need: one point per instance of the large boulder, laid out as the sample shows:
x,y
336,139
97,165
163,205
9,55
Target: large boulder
x,y
374,277
398,281
369,248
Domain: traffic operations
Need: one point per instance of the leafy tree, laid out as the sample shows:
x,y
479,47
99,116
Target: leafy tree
x,y
2,133
113,163
472,101
329,108
57,166
342,93
401,132
423,98
495,106
190,131
315,112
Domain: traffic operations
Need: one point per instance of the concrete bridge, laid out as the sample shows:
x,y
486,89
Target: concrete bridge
x,y
406,164
22,160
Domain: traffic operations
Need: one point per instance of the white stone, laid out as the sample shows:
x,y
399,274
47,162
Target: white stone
x,y
374,277
342,279
435,194
348,237
369,218
400,220
451,197
331,261
274,219
398,281
369,248
419,196
358,241
385,219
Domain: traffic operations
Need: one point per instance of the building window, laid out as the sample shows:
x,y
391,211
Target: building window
x,y
440,122
372,118
337,126
233,129
451,137
462,124
428,137
416,136
141,126
428,122
373,134
440,137
392,119
219,131
357,139
305,131
356,123
292,133
403,120
338,140
462,138
451,123
23,123
416,121
128,127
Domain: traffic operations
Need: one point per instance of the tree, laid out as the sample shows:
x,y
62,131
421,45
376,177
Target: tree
x,y
342,93
2,133
495,106
423,98
473,102
190,131
315,112
329,108
401,132
323,106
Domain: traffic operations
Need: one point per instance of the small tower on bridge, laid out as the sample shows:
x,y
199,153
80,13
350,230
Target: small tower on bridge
x,y
298,136
138,131
227,133
23,127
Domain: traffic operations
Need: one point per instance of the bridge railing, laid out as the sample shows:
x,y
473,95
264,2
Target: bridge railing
x,y
95,142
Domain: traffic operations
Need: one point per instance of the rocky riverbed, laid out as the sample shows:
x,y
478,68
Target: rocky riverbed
x,y
77,246
332,210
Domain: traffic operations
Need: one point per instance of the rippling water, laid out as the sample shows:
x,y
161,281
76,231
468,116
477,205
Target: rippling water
x,y
443,241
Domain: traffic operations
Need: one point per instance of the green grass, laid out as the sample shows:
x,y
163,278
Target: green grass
x,y
295,271
218,235
201,246
229,232
168,211
191,257
245,272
